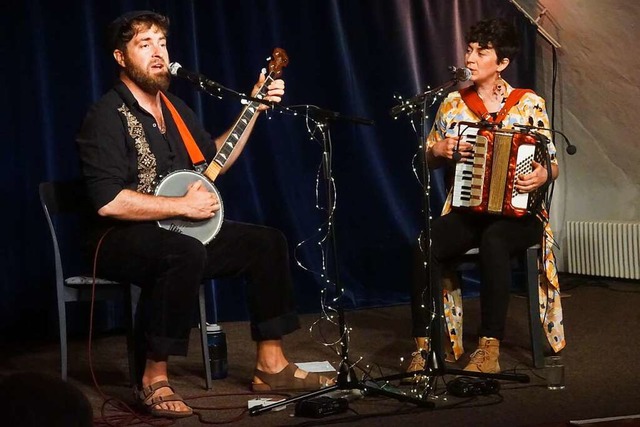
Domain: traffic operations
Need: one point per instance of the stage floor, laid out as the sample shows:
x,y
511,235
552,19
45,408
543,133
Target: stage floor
x,y
601,320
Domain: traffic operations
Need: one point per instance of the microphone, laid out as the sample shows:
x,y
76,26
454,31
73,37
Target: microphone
x,y
571,149
178,71
460,74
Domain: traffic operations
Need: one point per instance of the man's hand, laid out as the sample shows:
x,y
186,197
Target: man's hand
x,y
199,203
529,182
275,91
446,147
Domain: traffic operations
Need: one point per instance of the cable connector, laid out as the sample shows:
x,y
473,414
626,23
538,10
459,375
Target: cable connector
x,y
265,401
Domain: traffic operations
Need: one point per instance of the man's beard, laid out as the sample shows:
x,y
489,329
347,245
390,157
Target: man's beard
x,y
146,82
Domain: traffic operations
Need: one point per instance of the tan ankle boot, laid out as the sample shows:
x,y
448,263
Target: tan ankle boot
x,y
417,361
485,358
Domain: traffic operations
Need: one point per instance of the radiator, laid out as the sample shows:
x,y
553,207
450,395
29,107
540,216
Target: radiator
x,y
604,248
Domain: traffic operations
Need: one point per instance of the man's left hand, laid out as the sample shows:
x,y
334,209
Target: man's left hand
x,y
275,91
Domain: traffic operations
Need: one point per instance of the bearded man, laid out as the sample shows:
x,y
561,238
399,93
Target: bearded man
x,y
128,141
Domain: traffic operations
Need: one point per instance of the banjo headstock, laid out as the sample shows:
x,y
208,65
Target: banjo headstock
x,y
279,60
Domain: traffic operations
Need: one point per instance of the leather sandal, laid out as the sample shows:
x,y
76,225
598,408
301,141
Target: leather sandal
x,y
149,401
287,380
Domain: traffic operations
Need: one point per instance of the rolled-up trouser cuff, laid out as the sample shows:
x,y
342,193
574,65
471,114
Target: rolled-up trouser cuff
x,y
162,347
275,328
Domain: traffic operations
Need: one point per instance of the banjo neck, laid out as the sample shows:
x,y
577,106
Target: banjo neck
x,y
278,61
237,131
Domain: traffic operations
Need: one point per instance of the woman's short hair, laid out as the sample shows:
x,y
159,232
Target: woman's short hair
x,y
498,34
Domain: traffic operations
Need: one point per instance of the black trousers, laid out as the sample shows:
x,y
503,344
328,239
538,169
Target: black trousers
x,y
498,238
170,268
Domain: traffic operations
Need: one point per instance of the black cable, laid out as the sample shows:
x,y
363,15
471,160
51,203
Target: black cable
x,y
127,415
554,79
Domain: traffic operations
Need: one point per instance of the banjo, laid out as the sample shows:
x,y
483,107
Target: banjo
x,y
178,182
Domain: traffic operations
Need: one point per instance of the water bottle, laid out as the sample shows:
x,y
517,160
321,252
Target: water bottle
x,y
217,343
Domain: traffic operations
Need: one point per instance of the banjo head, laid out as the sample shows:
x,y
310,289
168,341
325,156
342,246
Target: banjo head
x,y
175,185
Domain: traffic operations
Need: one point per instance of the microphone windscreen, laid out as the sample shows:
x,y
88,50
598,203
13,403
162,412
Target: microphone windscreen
x,y
463,74
174,67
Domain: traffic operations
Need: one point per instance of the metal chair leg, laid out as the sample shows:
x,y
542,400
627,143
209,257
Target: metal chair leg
x,y
203,337
62,325
535,327
131,296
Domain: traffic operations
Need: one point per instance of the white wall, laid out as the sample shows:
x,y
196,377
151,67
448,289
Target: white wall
x,y
597,107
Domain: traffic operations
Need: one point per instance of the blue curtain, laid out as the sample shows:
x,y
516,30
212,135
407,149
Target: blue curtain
x,y
348,56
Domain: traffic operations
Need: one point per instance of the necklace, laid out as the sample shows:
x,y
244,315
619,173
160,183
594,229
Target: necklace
x,y
161,124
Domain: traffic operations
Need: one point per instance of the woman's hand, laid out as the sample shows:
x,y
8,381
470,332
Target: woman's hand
x,y
531,181
446,147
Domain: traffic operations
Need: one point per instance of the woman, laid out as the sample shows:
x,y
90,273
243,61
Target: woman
x,y
491,46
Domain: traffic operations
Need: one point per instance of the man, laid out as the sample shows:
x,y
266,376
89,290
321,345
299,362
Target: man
x,y
491,46
128,140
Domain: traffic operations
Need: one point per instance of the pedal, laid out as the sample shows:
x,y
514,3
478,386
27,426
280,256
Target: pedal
x,y
468,387
321,407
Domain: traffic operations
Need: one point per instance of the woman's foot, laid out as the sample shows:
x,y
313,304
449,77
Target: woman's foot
x,y
485,358
417,361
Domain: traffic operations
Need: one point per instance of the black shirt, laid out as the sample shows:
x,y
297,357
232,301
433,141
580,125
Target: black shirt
x,y
108,154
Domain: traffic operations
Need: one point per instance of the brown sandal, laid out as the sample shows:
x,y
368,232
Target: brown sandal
x,y
149,401
286,380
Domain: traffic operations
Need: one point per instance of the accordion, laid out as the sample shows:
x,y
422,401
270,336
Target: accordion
x,y
485,182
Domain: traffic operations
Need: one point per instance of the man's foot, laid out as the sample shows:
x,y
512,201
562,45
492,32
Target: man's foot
x,y
290,378
160,400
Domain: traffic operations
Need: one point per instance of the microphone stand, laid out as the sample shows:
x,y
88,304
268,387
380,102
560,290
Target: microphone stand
x,y
219,91
417,102
346,378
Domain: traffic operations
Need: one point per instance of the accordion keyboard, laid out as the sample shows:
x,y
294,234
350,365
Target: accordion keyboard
x,y
469,172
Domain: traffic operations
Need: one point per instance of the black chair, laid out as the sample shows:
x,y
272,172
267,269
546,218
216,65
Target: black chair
x,y
530,257
66,208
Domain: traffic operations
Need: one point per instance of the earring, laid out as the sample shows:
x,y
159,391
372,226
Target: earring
x,y
499,88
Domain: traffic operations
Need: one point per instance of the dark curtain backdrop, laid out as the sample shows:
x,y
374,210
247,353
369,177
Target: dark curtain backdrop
x,y
349,56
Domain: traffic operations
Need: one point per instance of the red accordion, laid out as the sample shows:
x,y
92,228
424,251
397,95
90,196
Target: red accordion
x,y
484,183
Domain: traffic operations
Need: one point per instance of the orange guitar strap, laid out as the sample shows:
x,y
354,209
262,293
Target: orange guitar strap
x,y
475,104
192,148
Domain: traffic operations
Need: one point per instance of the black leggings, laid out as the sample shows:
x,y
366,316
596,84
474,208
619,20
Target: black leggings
x,y
498,238
170,268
